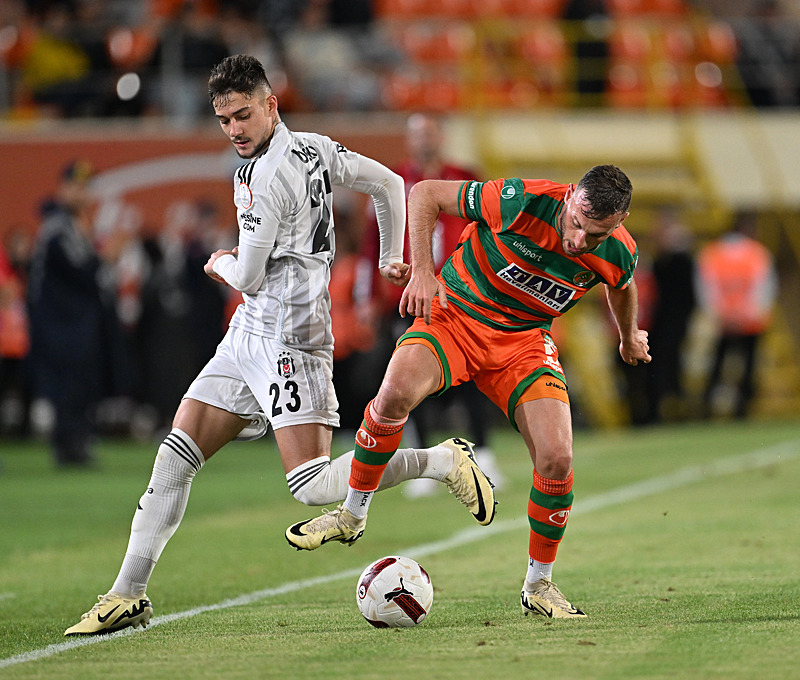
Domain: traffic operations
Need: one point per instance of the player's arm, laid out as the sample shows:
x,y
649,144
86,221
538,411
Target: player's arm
x,y
425,201
242,268
624,305
388,194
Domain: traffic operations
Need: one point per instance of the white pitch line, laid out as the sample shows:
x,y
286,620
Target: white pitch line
x,y
779,453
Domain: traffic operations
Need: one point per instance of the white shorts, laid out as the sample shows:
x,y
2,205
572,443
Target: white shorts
x,y
268,382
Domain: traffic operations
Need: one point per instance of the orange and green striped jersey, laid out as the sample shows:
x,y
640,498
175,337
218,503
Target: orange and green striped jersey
x,y
510,271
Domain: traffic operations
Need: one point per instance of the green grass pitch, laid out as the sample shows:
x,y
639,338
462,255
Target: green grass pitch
x,y
683,549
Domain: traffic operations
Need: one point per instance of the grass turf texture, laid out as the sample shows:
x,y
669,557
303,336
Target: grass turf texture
x,y
697,580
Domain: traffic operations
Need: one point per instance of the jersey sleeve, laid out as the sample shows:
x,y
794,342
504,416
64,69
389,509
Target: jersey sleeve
x,y
496,202
340,161
261,208
626,255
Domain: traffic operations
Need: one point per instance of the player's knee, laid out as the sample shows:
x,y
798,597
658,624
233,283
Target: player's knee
x,y
556,465
312,495
315,483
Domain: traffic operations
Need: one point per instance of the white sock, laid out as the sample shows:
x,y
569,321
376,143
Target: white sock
x,y
538,570
322,481
160,510
357,502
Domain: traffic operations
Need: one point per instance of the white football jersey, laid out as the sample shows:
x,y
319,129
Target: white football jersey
x,y
284,201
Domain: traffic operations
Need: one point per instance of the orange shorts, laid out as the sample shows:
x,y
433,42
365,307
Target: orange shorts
x,y
509,367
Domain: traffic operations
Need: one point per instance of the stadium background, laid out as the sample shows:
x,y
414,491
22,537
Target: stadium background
x,y
670,90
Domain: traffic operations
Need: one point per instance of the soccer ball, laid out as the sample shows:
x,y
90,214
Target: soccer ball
x,y
394,591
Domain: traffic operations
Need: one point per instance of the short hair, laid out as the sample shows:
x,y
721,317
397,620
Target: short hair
x,y
607,190
238,73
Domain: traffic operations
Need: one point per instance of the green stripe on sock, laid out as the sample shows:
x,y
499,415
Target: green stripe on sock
x,y
371,457
546,530
551,502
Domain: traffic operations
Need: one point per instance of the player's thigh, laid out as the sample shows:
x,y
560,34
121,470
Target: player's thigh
x,y
516,361
210,427
546,426
299,444
413,373
292,386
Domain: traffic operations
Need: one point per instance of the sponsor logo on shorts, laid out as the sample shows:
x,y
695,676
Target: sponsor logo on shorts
x,y
557,385
559,518
508,192
286,367
547,291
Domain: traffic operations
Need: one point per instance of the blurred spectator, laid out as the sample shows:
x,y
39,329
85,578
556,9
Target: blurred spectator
x,y
327,63
14,336
637,387
72,318
183,312
357,369
737,286
424,161
56,69
674,302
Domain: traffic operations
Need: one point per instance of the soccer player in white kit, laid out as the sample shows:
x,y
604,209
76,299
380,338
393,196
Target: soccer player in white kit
x,y
274,365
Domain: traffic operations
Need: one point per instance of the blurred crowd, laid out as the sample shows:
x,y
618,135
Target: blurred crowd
x,y
99,58
103,58
731,283
101,330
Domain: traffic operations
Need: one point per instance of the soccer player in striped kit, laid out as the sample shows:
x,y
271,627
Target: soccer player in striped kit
x,y
533,249
274,366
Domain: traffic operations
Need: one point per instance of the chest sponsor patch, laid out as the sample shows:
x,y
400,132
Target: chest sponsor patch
x,y
547,291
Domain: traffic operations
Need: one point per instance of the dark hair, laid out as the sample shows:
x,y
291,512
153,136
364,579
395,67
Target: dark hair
x,y
607,190
238,73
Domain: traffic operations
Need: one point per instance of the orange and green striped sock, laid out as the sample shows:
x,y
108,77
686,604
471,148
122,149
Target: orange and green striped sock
x,y
377,441
548,511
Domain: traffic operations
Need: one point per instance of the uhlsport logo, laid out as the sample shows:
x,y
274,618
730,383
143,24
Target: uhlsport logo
x,y
559,518
285,365
365,440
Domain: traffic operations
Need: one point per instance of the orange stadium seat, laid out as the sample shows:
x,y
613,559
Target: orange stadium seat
x,y
628,85
625,8
403,9
415,89
665,7
130,48
678,42
545,51
630,41
434,41
718,42
535,9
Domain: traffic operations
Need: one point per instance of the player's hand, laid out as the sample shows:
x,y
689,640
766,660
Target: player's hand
x,y
635,348
418,295
209,266
397,273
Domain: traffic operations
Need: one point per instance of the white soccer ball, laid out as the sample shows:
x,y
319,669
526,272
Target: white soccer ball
x,y
394,591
